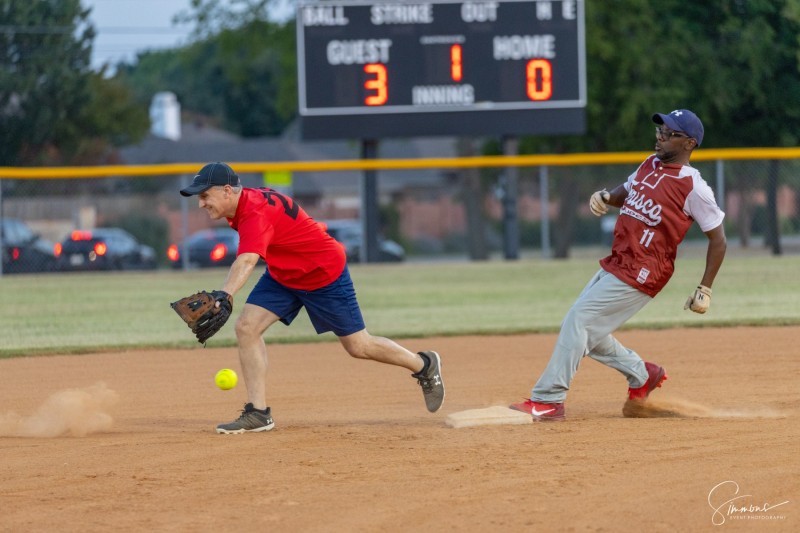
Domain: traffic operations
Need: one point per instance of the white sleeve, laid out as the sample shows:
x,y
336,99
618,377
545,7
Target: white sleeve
x,y
627,183
701,205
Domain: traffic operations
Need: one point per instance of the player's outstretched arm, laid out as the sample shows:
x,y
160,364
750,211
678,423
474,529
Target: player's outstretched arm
x,y
700,300
600,200
239,272
717,246
617,195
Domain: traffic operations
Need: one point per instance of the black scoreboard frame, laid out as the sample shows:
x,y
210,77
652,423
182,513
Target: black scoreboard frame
x,y
441,67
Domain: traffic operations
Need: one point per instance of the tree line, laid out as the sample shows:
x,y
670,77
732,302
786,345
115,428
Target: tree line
x,y
734,62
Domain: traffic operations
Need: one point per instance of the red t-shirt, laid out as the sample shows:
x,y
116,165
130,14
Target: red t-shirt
x,y
663,200
299,253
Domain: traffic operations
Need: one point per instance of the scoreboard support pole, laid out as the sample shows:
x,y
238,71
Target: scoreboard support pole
x,y
510,193
370,219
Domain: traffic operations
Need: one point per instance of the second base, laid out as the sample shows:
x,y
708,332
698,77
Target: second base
x,y
488,416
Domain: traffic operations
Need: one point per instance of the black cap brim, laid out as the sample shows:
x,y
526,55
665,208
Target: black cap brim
x,y
660,118
197,188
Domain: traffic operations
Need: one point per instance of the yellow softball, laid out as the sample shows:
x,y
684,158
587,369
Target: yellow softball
x,y
226,379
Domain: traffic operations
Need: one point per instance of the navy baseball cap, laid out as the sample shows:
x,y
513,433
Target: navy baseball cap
x,y
210,175
684,121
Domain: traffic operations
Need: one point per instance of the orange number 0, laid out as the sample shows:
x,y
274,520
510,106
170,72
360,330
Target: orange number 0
x,y
377,84
539,76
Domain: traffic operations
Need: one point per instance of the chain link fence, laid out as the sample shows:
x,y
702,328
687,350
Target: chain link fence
x,y
467,212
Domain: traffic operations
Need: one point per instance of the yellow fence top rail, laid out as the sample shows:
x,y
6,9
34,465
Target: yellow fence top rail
x,y
605,158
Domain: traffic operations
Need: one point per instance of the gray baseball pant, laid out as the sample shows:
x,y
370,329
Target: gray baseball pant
x,y
604,305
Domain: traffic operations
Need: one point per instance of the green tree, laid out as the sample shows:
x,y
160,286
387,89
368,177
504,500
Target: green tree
x,y
749,73
258,64
211,17
753,96
240,73
53,108
735,63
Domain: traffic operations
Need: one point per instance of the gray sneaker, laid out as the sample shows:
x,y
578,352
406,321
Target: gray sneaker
x,y
431,382
251,420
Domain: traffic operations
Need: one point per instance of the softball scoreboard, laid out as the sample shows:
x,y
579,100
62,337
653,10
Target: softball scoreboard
x,y
443,67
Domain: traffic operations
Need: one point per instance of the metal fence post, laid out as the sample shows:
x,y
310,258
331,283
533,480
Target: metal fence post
x,y
721,184
184,223
2,248
544,200
510,210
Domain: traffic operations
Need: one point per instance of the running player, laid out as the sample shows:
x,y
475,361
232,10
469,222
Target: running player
x,y
658,204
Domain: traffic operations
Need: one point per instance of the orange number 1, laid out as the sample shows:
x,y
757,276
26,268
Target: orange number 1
x,y
455,62
377,84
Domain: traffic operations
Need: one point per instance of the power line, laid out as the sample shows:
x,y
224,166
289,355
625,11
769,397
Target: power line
x,y
111,30
37,30
128,30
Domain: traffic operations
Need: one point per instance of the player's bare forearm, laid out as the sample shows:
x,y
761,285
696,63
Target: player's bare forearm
x,y
617,195
717,245
240,271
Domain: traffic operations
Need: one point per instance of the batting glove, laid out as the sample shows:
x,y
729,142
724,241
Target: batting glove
x,y
700,300
598,203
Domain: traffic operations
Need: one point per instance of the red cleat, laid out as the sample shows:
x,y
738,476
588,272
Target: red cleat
x,y
541,411
656,375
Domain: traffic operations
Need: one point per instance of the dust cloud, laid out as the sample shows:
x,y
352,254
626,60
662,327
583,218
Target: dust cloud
x,y
680,408
72,412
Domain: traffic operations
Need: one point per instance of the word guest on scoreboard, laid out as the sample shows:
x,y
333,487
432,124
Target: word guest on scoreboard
x,y
380,69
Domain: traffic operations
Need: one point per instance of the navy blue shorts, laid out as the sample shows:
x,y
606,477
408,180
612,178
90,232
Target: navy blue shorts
x,y
330,308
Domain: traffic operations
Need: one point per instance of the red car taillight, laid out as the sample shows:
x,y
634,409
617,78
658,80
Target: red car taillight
x,y
100,248
57,249
14,254
219,251
172,253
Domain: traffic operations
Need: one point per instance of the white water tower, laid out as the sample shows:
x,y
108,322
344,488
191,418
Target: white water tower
x,y
165,116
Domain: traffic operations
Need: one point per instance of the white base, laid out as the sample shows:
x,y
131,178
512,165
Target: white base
x,y
487,416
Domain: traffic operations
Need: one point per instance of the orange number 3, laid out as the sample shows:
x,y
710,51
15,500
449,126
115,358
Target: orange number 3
x,y
377,84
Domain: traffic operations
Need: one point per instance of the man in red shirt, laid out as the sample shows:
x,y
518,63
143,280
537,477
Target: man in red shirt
x,y
307,268
658,204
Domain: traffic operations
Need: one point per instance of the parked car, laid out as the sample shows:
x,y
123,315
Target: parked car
x,y
104,249
206,248
349,232
24,250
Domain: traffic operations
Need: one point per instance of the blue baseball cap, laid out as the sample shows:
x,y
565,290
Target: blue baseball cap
x,y
210,175
684,121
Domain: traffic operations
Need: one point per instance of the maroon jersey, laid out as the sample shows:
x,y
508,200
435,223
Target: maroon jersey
x,y
663,200
298,251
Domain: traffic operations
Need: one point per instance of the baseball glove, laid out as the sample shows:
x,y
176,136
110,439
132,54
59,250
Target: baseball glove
x,y
202,314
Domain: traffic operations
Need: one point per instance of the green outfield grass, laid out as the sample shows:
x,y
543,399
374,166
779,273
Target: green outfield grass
x,y
75,313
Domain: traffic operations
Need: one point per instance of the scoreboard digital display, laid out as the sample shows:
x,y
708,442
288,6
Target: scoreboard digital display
x,y
445,67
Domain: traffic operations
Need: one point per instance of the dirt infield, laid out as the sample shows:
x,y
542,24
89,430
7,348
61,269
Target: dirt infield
x,y
354,449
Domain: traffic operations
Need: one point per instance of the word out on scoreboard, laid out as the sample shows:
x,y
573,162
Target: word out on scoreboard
x,y
401,69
